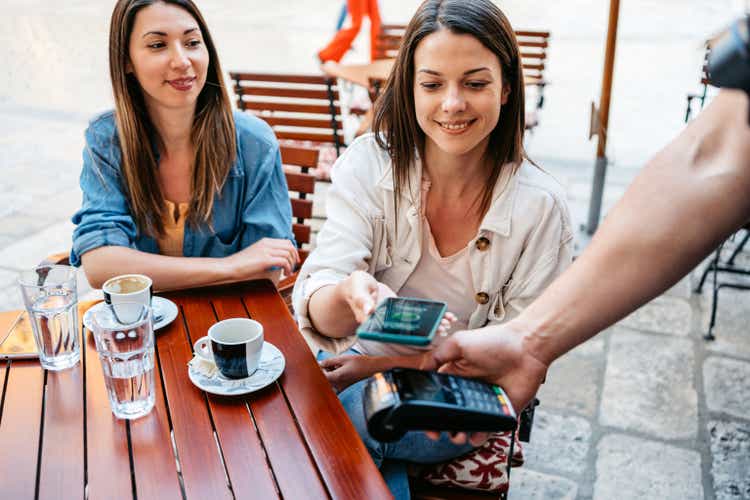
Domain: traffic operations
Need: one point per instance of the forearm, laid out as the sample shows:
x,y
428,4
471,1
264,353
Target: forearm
x,y
330,313
690,197
167,273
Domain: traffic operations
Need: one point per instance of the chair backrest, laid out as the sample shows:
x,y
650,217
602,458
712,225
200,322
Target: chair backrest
x,y
532,43
533,46
388,40
297,107
297,163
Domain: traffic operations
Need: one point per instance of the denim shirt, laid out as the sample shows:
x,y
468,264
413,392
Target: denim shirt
x,y
253,204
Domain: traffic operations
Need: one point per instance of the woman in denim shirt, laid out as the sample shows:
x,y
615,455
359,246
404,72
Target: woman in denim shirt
x,y
176,186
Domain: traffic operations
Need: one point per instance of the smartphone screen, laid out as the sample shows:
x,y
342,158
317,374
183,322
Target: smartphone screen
x,y
19,341
404,316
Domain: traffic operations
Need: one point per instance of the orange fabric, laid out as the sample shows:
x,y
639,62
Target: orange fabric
x,y
343,39
174,229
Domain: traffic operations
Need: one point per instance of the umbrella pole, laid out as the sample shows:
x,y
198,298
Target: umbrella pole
x,y
600,167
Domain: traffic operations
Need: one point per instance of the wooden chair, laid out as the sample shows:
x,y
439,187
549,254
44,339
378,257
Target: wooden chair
x,y
704,84
304,109
533,45
297,163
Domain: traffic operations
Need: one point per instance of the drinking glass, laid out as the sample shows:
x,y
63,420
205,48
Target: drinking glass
x,y
126,351
51,299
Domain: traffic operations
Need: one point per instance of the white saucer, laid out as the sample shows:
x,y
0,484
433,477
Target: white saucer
x,y
271,367
159,307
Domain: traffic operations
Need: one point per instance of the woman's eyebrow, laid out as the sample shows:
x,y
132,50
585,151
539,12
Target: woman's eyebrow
x,y
162,33
437,73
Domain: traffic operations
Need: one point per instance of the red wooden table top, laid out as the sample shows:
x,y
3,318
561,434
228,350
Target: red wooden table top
x,y
59,438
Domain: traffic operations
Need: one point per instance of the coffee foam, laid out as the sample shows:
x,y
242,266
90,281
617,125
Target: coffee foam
x,y
126,285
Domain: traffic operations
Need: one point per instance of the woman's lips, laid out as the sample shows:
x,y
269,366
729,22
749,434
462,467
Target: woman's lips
x,y
182,84
456,127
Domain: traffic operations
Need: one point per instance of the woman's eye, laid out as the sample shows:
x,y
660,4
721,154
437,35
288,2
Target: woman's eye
x,y
193,43
430,85
156,45
477,84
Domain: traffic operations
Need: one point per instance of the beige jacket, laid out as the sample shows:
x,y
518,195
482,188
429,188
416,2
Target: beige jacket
x,y
524,241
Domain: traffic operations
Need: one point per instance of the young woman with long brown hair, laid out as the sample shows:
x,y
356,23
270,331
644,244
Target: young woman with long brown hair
x,y
439,203
175,185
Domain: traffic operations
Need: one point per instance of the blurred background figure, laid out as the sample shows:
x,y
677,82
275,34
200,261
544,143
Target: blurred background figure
x,y
344,37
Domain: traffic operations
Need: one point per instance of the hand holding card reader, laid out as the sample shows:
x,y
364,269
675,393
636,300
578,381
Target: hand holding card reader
x,y
402,400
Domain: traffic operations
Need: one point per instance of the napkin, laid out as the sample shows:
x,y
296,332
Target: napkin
x,y
203,366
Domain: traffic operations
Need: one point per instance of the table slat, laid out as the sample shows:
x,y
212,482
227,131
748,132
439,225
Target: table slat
x,y
20,429
240,444
153,460
343,460
294,467
108,459
61,473
202,471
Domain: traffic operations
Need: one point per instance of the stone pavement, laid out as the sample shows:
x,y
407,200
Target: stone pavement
x,y
646,410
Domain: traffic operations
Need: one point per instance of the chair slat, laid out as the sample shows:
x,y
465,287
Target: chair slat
x,y
283,92
301,233
301,208
300,122
318,109
285,78
302,157
302,183
308,136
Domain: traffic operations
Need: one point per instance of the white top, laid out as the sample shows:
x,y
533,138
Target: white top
x,y
524,241
446,279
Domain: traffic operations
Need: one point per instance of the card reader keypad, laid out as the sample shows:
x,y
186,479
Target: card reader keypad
x,y
474,395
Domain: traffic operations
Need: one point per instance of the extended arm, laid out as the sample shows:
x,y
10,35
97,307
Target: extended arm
x,y
688,198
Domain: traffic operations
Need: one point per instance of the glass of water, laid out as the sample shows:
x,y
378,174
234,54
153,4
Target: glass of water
x,y
51,298
126,351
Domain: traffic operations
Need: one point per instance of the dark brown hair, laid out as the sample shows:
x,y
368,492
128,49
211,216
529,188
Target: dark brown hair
x,y
395,123
213,132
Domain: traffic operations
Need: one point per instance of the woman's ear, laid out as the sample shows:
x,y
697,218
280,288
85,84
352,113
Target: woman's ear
x,y
505,94
128,67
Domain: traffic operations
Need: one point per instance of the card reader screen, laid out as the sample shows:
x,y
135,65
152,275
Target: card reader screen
x,y
404,317
427,387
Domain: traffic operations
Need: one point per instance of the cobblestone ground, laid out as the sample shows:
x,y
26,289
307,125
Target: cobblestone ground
x,y
646,410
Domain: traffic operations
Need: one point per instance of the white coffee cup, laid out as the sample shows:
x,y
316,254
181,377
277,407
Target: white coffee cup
x,y
125,293
234,345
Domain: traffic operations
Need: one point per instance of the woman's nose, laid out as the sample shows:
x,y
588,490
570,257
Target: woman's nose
x,y
178,58
453,101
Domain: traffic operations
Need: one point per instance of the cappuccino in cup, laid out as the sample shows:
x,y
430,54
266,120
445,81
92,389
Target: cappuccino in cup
x,y
125,292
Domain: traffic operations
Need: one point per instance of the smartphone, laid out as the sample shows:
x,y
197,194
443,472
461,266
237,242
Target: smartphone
x,y
403,320
18,342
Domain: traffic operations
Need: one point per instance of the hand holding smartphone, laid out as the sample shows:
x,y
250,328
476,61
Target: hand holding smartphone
x,y
403,320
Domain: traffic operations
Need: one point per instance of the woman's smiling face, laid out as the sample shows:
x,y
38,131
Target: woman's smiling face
x,y
458,92
168,56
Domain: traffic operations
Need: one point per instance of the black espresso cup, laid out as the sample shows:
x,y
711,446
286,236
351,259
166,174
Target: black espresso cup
x,y
234,345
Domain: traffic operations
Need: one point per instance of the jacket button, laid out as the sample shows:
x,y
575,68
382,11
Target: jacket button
x,y
482,298
482,244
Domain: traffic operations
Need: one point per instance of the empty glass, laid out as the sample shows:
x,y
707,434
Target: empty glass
x,y
125,345
51,298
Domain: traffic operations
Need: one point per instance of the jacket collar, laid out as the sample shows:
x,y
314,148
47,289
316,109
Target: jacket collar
x,y
498,217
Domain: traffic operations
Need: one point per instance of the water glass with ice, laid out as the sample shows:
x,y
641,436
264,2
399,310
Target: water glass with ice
x,y
51,299
126,351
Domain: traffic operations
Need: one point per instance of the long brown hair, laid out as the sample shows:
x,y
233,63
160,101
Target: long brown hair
x,y
213,133
395,123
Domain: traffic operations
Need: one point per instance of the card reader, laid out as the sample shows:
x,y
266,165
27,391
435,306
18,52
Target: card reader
x,y
402,400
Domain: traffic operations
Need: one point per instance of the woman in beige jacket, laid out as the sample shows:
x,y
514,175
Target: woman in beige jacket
x,y
439,203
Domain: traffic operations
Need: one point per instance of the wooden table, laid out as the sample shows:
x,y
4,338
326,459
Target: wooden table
x,y
59,438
